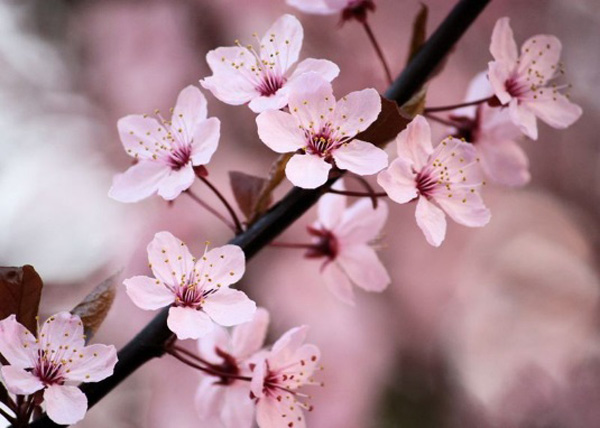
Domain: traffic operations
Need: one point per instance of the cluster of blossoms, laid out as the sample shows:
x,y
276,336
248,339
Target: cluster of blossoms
x,y
298,115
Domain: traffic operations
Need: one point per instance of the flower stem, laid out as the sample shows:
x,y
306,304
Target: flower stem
x,y
189,354
441,120
358,194
208,370
378,51
238,225
455,106
211,210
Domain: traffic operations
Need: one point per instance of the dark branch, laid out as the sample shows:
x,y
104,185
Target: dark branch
x,y
149,343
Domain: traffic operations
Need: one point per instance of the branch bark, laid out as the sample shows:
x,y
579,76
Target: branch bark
x,y
148,343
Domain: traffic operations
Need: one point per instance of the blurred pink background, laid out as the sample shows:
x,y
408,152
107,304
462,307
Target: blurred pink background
x,y
497,328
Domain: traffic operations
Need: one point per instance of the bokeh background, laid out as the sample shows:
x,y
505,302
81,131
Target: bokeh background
x,y
497,328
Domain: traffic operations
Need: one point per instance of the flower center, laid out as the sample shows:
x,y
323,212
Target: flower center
x,y
326,244
320,144
229,367
189,296
270,84
425,183
517,88
48,371
180,156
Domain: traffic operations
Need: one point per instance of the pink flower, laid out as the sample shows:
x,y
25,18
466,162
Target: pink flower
x,y
321,131
55,361
198,289
166,151
225,398
522,82
349,8
241,74
493,135
278,377
450,175
342,236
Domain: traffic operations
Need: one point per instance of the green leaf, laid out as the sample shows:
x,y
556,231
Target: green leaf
x,y
20,293
95,306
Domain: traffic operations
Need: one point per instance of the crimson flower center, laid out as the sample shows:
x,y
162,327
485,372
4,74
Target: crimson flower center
x,y
47,370
425,183
270,84
189,296
180,156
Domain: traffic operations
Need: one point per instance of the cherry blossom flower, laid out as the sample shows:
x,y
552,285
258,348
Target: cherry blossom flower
x,y
225,398
523,83
342,236
166,151
241,74
278,377
450,175
198,289
320,131
55,361
493,135
348,8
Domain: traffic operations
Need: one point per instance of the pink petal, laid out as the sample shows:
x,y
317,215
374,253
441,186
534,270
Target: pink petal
x,y
189,323
498,74
229,307
272,102
360,157
432,221
17,344
356,111
139,181
307,171
205,141
148,293
62,329
19,381
311,100
138,134
258,378
282,43
249,337
414,142
238,411
92,363
331,207
338,283
398,181
319,7
479,88
218,338
169,258
556,110
466,209
361,223
540,54
271,413
504,161
327,69
209,398
289,342
279,131
224,265
65,405
361,264
190,110
523,117
176,182
503,47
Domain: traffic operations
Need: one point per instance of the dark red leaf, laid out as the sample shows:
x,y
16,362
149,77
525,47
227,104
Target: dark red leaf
x,y
20,293
95,306
387,125
247,190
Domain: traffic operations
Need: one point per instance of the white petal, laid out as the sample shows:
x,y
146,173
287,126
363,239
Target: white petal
x,y
279,131
248,338
169,258
238,411
356,111
189,111
273,102
540,54
556,110
62,329
138,134
148,293
229,307
17,344
307,171
523,117
92,363
282,43
398,181
414,142
19,381
361,264
361,223
319,7
431,220
188,323
205,141
503,47
329,70
331,207
139,181
209,399
311,100
504,161
472,213
338,283
65,405
223,265
498,74
360,157
176,182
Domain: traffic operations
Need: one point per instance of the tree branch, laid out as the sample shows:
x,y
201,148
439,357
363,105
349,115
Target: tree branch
x,y
149,343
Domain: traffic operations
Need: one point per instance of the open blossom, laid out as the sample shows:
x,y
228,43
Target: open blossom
x,y
493,135
166,151
279,376
55,361
342,236
320,130
349,8
198,290
225,398
523,82
241,74
450,175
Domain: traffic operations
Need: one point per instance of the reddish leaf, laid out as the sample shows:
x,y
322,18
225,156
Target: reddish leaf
x,y
20,293
93,309
388,124
419,32
247,190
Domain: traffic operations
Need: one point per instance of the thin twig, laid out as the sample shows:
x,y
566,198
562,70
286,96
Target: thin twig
x,y
211,210
455,106
441,120
209,370
378,51
234,217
